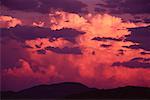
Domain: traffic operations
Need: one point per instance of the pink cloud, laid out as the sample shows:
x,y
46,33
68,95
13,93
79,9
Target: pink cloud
x,y
95,70
8,21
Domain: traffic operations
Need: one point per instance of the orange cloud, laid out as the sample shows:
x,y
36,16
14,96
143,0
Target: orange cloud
x,y
90,65
39,24
94,66
8,21
93,24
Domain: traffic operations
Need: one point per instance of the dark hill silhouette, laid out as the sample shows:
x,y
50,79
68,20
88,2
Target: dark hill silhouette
x,y
60,90
72,90
128,92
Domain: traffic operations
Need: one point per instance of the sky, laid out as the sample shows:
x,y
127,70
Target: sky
x,y
100,43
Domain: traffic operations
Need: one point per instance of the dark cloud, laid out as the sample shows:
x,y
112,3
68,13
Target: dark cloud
x,y
139,35
147,20
67,33
106,39
121,52
65,50
133,47
126,6
41,51
135,6
145,53
27,46
136,20
13,46
44,6
23,33
37,46
134,63
105,45
140,20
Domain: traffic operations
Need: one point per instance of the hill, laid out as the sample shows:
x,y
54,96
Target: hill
x,y
72,90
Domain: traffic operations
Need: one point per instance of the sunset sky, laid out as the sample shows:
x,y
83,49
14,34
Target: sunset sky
x,y
100,43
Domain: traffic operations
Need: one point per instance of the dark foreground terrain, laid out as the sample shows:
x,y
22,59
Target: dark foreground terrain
x,y
70,90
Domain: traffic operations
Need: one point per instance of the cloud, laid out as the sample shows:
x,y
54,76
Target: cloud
x,y
41,51
95,25
60,46
23,33
11,52
27,18
145,53
8,21
24,76
135,63
44,6
67,33
106,45
125,6
106,39
140,35
39,24
65,50
147,20
70,50
42,43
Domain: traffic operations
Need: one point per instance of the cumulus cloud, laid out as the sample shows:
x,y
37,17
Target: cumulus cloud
x,y
8,21
86,59
95,25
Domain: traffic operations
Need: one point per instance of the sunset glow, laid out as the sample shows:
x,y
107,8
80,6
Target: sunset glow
x,y
98,48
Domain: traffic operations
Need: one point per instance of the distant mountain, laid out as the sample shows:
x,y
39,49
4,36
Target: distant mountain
x,y
60,90
72,90
128,92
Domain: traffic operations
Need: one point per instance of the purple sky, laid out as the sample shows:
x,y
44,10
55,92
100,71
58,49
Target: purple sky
x,y
100,43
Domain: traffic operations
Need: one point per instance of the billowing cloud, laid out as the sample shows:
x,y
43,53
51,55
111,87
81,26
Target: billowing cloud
x,y
94,25
8,21
73,48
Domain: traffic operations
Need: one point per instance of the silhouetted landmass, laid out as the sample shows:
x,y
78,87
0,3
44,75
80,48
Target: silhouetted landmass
x,y
71,90
128,92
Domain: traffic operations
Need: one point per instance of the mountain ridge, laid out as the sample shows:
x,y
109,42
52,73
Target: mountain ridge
x,y
74,90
